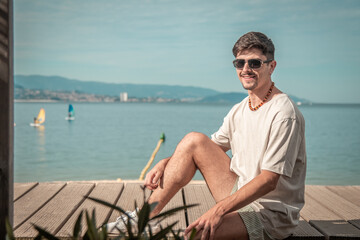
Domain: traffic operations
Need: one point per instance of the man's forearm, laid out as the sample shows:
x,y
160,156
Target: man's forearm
x,y
256,188
166,160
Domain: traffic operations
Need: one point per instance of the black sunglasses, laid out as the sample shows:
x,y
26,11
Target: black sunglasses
x,y
253,63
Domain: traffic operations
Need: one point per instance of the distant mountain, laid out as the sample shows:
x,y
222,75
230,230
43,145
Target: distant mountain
x,y
236,97
56,83
61,84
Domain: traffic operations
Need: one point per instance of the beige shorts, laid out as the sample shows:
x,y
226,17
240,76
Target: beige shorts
x,y
253,224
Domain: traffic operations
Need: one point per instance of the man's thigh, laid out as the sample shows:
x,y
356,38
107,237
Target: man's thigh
x,y
232,227
214,164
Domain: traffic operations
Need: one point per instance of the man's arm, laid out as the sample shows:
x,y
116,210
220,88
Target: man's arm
x,y
155,174
262,184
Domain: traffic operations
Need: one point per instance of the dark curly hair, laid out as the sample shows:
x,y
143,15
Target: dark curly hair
x,y
255,40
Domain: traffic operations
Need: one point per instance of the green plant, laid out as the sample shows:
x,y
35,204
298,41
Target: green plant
x,y
93,233
9,230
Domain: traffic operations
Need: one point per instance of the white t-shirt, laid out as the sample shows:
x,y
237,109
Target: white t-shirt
x,y
271,138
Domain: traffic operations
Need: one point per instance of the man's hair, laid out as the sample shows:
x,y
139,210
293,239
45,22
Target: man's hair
x,y
255,40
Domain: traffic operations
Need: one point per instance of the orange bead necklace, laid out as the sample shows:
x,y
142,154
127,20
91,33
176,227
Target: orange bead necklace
x,y
264,100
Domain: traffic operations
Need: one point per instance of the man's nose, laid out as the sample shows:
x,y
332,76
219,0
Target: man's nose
x,y
246,67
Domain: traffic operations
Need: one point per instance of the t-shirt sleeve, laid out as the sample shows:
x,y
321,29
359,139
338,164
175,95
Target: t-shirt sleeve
x,y
221,137
283,146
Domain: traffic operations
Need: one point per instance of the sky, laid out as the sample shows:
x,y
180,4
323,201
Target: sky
x,y
190,42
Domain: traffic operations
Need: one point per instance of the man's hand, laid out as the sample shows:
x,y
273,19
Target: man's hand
x,y
208,223
155,174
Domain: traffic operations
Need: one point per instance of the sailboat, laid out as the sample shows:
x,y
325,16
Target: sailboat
x,y
71,113
40,119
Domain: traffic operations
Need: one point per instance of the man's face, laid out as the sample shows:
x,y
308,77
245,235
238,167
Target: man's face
x,y
253,79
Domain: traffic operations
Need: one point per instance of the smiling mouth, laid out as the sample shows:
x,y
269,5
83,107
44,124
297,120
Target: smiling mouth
x,y
247,76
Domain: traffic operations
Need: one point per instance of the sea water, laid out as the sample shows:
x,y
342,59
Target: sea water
x,y
115,140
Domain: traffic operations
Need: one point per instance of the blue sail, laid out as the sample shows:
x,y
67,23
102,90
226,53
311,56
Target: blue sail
x,y
71,112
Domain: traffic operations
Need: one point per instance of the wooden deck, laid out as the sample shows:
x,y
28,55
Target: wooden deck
x,y
330,212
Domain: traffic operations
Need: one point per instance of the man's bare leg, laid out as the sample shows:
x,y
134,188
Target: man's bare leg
x,y
195,151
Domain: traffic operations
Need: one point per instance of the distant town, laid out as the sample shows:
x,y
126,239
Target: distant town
x,y
27,95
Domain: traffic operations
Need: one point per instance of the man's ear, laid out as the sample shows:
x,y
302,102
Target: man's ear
x,y
272,66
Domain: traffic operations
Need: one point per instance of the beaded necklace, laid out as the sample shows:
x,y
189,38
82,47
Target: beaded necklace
x,y
263,101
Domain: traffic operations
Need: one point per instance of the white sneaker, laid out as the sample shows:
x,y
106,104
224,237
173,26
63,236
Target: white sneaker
x,y
120,224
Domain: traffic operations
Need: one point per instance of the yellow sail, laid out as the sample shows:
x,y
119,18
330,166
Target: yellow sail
x,y
41,117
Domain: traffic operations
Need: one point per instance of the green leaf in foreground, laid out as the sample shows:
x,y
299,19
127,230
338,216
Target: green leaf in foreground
x,y
193,234
91,231
43,233
173,211
143,217
109,205
9,231
77,227
163,232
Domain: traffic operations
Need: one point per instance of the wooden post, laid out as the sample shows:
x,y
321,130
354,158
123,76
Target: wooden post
x,y
6,114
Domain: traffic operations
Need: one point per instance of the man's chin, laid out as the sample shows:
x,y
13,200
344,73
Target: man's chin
x,y
248,87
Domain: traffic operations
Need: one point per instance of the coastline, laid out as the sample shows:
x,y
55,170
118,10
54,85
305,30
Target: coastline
x,y
36,101
172,101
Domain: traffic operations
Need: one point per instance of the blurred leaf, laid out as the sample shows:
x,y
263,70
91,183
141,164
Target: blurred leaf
x,y
173,211
77,227
108,205
86,237
193,234
9,230
129,228
153,205
143,217
176,235
44,233
163,232
93,218
103,233
91,231
136,206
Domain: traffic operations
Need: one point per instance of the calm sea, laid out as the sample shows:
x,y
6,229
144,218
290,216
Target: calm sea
x,y
115,140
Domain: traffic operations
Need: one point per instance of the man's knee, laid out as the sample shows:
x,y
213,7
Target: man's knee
x,y
196,139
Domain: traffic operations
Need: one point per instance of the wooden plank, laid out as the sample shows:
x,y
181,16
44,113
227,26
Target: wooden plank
x,y
350,193
333,229
34,200
305,231
314,210
335,203
356,223
321,207
21,189
198,194
325,220
109,192
55,213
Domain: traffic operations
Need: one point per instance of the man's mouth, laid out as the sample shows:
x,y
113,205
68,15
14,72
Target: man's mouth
x,y
247,76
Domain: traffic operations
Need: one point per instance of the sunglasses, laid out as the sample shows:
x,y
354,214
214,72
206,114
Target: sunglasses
x,y
253,63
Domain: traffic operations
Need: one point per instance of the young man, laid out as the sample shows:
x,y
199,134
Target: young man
x,y
259,192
